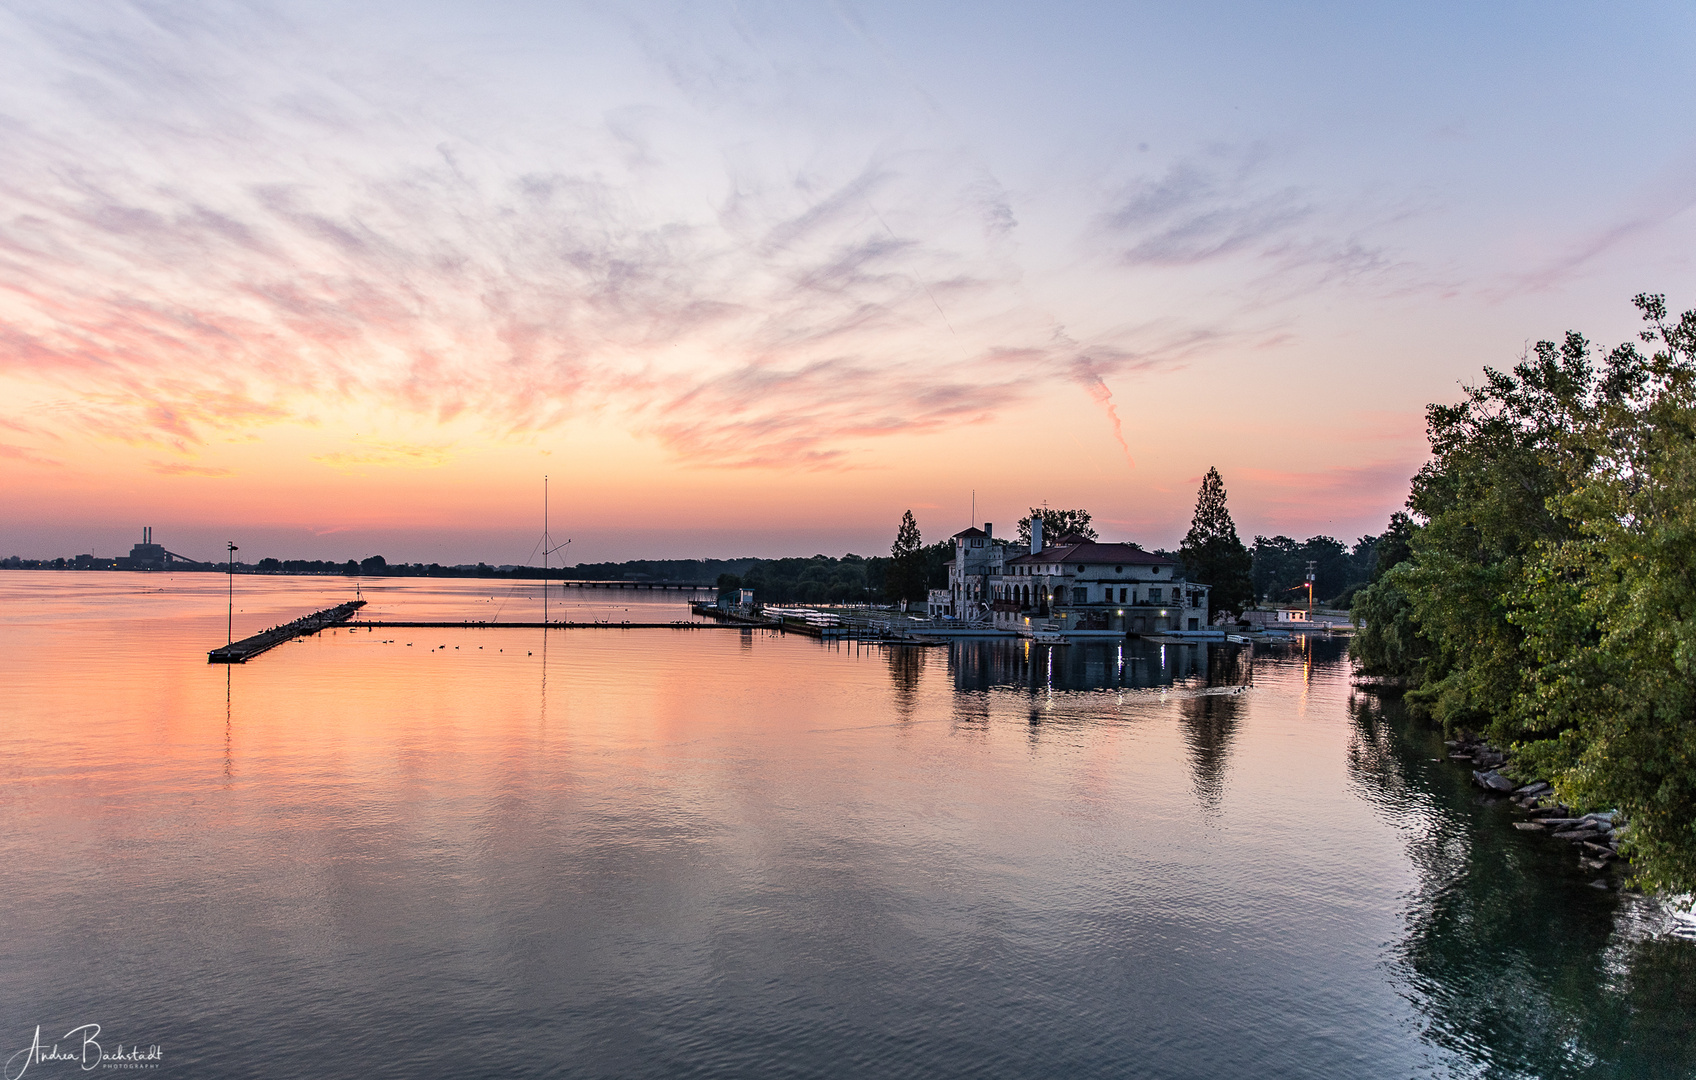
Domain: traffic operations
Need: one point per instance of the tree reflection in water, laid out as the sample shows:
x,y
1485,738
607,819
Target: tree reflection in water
x,y
1210,721
1516,963
906,667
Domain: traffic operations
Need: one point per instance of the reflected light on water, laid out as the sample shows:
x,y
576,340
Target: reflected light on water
x,y
645,853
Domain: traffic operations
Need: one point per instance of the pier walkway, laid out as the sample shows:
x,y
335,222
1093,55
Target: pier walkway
x,y
240,652
341,616
680,624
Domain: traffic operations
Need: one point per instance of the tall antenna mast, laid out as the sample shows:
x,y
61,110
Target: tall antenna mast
x,y
544,551
548,548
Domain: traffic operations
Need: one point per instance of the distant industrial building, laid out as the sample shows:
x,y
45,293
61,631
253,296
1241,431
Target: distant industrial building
x,y
150,556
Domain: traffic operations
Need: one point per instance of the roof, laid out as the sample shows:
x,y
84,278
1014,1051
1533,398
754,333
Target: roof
x,y
1088,553
968,533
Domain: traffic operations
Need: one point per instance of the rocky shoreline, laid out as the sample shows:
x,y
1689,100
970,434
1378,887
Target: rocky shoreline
x,y
1596,836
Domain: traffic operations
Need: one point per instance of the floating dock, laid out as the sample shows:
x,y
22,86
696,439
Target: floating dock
x,y
240,652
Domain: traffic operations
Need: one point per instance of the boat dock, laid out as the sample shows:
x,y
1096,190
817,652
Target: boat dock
x,y
240,652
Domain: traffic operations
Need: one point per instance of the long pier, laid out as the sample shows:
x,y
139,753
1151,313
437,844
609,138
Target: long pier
x,y
240,652
680,624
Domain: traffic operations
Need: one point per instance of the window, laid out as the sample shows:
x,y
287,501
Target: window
x,y
1118,569
1121,596
1080,595
1154,596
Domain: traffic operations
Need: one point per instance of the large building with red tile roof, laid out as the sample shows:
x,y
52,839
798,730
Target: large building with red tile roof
x,y
1073,585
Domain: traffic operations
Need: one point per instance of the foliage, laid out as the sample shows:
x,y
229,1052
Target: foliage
x,y
818,580
1213,554
1548,596
1387,642
937,556
1280,567
1055,524
1501,459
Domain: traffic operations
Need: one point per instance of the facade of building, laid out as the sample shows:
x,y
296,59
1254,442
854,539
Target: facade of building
x,y
1080,585
977,560
1074,585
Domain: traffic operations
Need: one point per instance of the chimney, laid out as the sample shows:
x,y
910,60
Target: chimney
x,y
1036,535
989,529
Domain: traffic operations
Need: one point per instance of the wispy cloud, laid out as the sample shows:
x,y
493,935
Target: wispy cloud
x,y
1227,205
207,226
179,468
381,452
26,453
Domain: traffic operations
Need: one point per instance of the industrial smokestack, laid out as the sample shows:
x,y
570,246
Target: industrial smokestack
x,y
1036,535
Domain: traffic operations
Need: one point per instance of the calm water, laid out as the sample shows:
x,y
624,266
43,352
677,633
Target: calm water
x,y
672,853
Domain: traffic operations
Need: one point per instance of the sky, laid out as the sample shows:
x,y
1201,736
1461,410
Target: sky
x,y
340,279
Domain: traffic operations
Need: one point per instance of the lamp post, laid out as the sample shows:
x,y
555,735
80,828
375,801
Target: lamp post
x,y
230,618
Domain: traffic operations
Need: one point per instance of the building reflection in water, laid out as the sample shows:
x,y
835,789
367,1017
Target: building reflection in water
x,y
1133,664
1096,665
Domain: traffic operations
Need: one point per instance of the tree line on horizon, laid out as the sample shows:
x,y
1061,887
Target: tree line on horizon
x,y
1541,589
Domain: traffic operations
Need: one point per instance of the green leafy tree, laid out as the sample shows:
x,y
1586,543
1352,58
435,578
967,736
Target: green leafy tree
x,y
1550,583
937,558
818,580
1057,523
906,577
1610,614
1490,496
1276,567
1280,567
1213,554
1388,643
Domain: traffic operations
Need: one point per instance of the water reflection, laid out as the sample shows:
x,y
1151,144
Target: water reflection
x,y
1096,665
1210,721
716,855
1513,959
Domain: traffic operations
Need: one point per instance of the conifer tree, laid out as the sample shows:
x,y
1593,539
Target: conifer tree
x,y
906,580
1212,552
